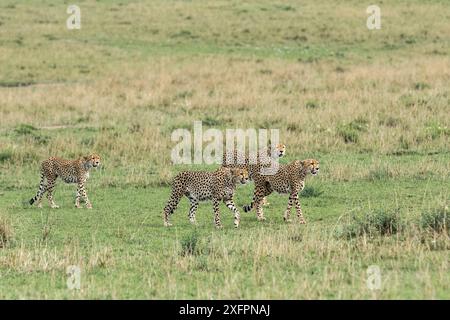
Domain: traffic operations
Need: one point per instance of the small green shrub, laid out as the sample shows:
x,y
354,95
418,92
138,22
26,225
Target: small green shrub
x,y
265,71
5,156
359,124
390,121
350,131
184,94
375,223
184,34
311,192
437,220
201,264
31,131
348,134
434,131
421,86
285,7
189,244
380,173
311,104
409,100
293,127
211,122
25,129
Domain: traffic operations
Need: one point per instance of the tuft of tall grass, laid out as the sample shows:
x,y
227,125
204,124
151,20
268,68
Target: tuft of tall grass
x,y
380,173
311,192
434,131
378,222
189,244
312,104
6,231
25,129
5,156
350,131
348,134
436,220
31,131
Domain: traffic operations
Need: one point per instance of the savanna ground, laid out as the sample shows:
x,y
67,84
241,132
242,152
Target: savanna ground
x,y
372,106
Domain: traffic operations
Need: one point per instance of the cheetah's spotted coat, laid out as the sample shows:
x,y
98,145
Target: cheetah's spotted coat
x,y
70,171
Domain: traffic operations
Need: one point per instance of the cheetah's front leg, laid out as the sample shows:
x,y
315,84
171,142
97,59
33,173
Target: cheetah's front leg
x,y
299,210
237,217
81,192
287,213
77,199
217,222
193,210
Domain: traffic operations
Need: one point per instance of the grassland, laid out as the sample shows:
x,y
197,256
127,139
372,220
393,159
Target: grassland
x,y
372,106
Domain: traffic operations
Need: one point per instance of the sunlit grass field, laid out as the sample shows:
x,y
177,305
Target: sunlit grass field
x,y
372,105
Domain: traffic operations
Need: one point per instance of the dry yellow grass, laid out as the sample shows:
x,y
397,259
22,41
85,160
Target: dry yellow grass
x,y
6,231
165,95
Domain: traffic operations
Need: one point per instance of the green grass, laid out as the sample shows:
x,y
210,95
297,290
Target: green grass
x,y
124,252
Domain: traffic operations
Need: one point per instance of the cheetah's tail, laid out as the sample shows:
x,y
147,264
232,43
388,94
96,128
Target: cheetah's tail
x,y
248,207
40,191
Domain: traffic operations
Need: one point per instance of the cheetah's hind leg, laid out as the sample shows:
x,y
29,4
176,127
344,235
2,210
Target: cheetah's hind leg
x,y
193,210
172,204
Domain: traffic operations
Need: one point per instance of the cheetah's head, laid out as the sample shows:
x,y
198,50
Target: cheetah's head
x,y
240,175
281,150
311,165
92,160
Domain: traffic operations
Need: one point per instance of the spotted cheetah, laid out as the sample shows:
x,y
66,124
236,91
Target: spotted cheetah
x,y
198,186
70,171
239,159
290,179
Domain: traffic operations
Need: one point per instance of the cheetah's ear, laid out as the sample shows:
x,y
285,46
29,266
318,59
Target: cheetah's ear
x,y
235,171
86,158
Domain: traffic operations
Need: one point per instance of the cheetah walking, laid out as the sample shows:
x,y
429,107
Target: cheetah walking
x,y
70,171
289,179
198,186
253,163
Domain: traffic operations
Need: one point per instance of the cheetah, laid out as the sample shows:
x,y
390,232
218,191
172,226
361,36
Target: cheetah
x,y
289,179
198,186
239,159
252,163
70,171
